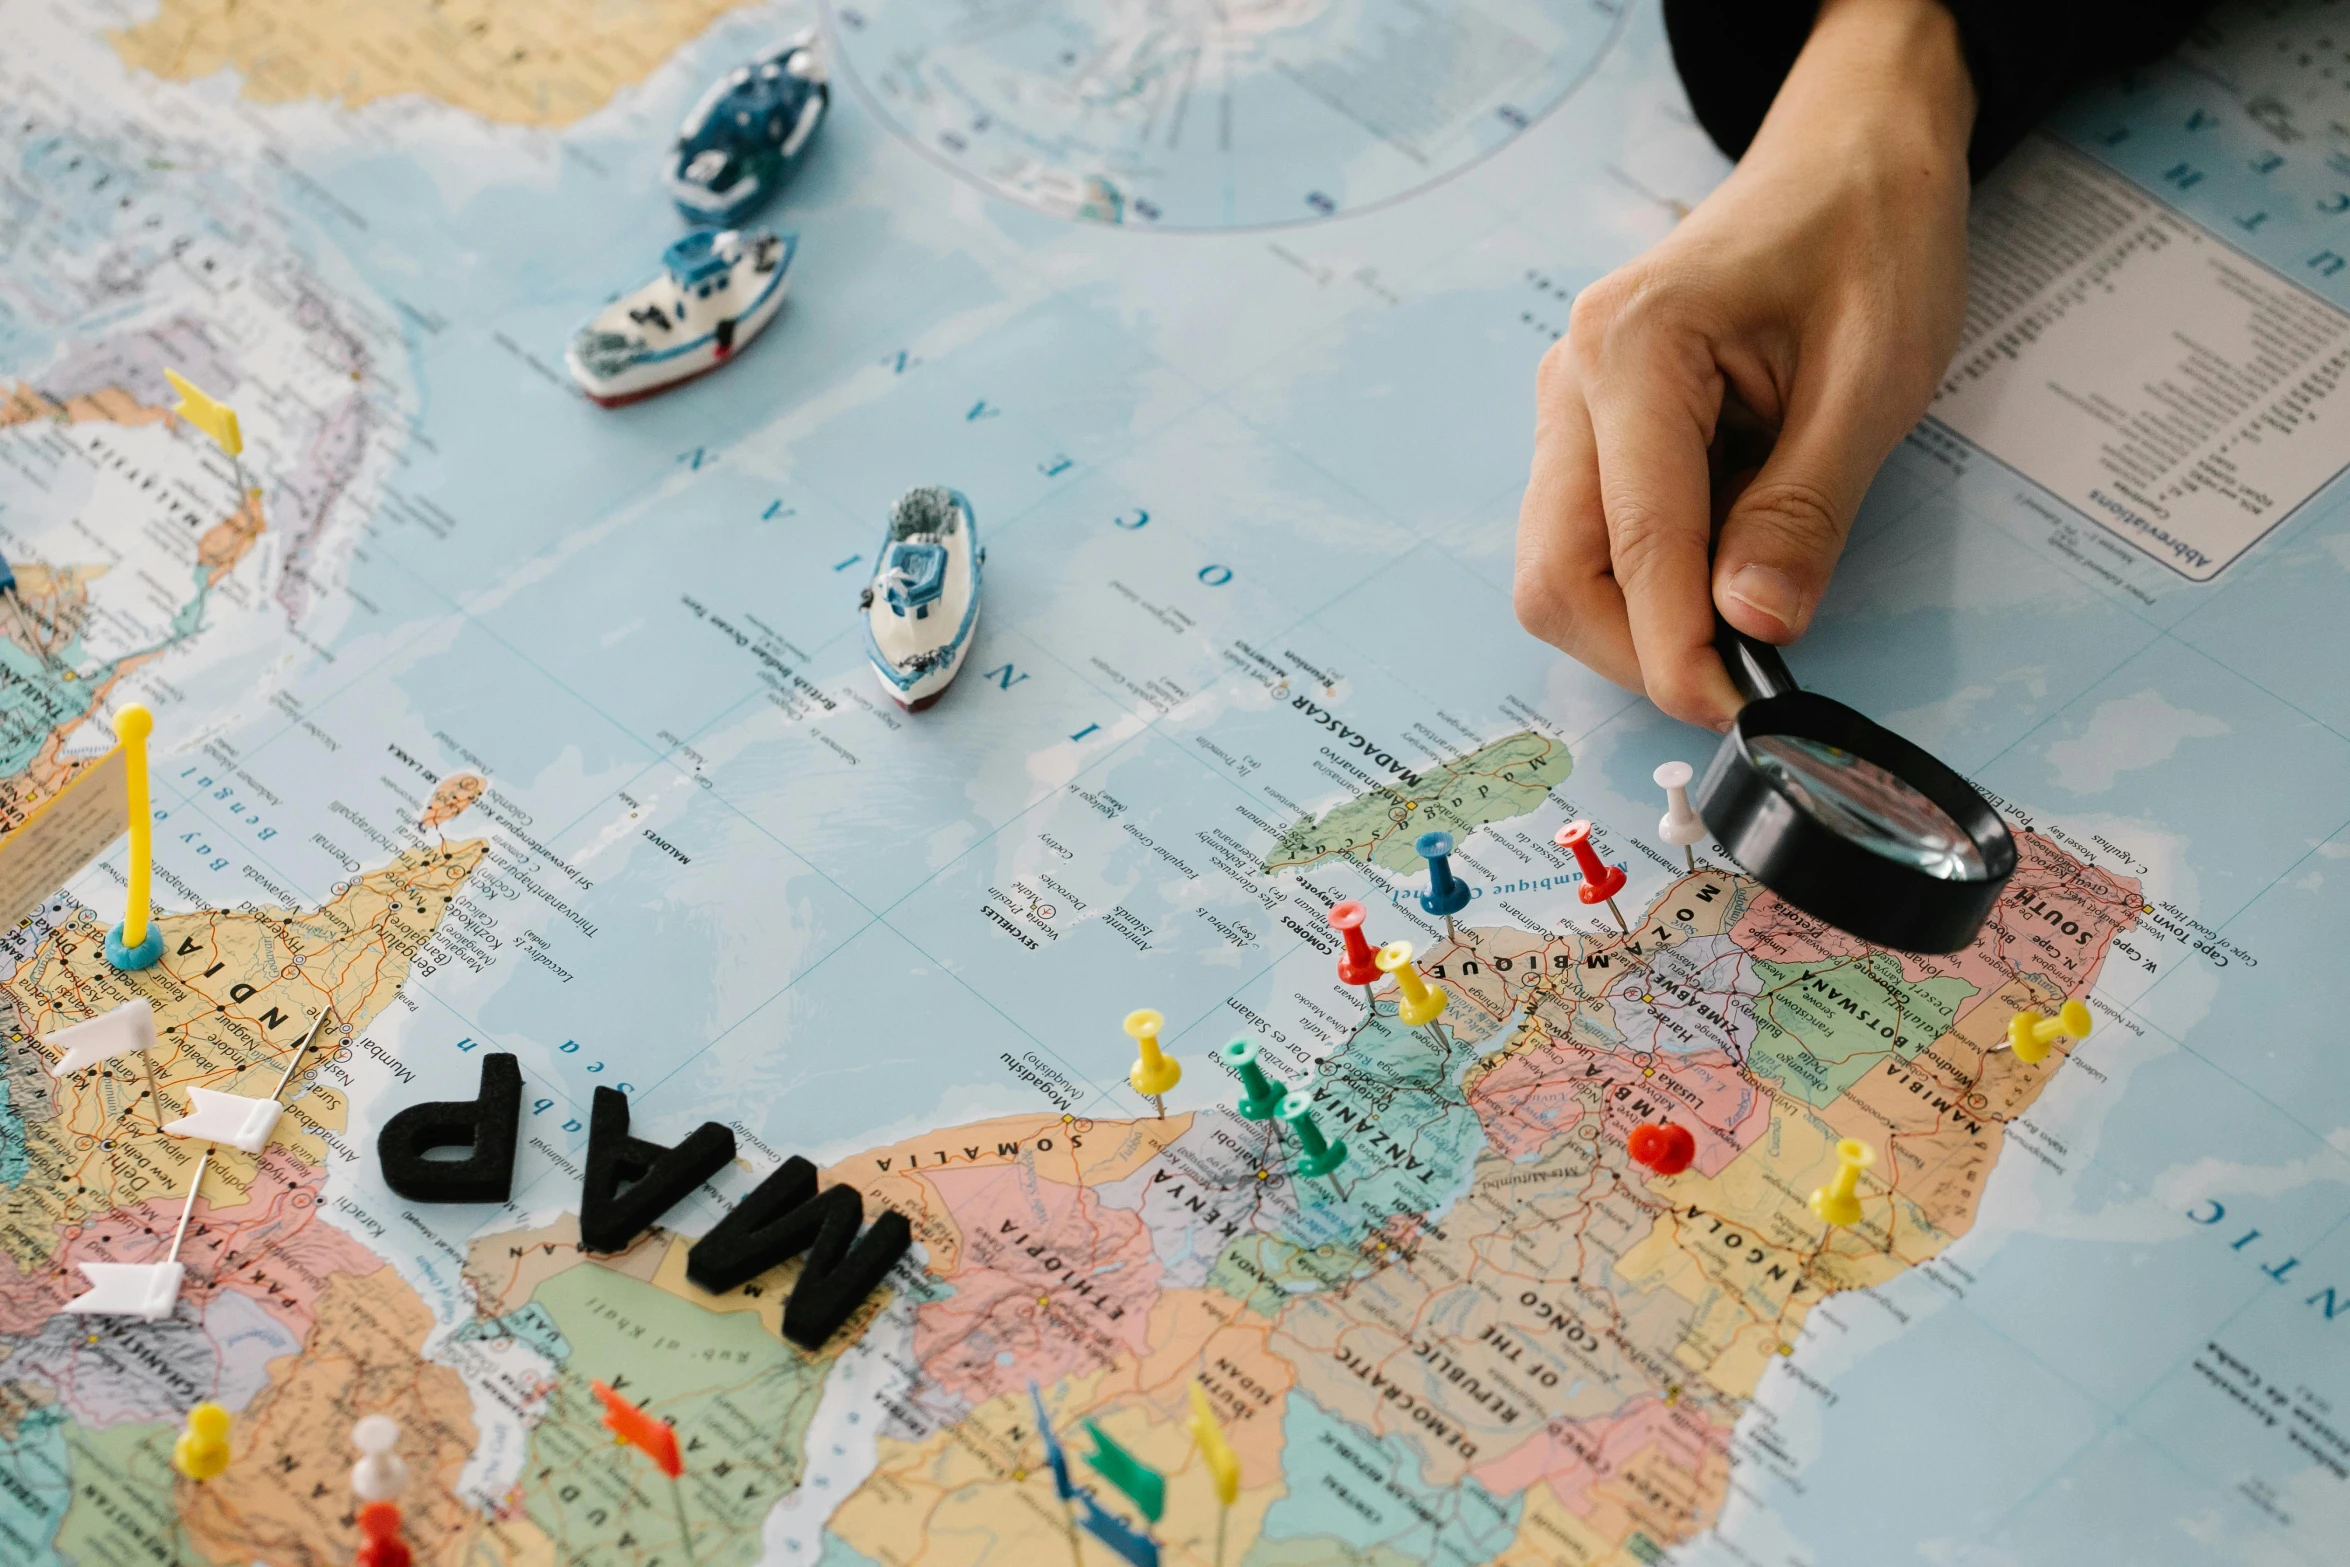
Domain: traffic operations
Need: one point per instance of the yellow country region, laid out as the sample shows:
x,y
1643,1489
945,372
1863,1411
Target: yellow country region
x,y
1550,1534
1746,1251
234,996
519,62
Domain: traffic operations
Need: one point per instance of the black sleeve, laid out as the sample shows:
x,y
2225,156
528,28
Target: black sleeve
x,y
2024,55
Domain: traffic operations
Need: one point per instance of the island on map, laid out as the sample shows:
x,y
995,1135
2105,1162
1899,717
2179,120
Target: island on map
x,y
1493,783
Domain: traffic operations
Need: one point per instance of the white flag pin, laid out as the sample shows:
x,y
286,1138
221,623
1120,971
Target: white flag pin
x,y
146,1290
128,1028
244,1124
239,1120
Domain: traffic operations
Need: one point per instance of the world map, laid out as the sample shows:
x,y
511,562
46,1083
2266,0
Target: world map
x,y
496,722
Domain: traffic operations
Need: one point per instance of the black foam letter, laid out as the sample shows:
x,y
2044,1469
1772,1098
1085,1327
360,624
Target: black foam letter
x,y
785,1216
490,1123
609,1219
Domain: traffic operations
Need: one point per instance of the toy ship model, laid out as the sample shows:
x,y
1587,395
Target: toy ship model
x,y
717,289
748,132
923,604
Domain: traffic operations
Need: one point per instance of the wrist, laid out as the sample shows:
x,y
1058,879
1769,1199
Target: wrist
x,y
1884,77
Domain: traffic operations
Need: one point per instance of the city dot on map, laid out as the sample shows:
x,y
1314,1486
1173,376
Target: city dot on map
x,y
1218,117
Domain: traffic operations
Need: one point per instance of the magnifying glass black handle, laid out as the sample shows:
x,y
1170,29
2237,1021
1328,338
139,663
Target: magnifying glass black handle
x,y
1755,667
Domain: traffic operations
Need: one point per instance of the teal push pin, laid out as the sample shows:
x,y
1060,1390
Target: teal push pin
x,y
1320,1157
1447,894
1261,1099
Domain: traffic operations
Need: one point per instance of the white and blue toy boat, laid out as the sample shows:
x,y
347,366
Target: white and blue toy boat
x,y
747,134
923,605
717,289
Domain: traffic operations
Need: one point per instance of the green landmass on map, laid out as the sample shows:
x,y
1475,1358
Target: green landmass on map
x,y
1820,1026
740,1397
1491,784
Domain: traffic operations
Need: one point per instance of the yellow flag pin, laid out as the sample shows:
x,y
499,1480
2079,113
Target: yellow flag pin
x,y
216,419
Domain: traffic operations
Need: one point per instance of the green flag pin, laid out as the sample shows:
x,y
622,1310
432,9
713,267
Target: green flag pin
x,y
1143,1485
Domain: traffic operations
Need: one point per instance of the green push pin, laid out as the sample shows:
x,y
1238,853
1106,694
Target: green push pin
x,y
1320,1158
1262,1099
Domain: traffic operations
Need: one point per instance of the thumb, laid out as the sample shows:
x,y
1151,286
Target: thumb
x,y
1782,534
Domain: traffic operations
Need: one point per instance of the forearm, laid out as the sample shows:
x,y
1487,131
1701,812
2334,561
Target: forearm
x,y
2021,56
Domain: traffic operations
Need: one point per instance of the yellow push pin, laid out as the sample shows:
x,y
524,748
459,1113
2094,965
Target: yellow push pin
x,y
2029,1034
1156,1072
1839,1201
135,943
201,1452
1421,1003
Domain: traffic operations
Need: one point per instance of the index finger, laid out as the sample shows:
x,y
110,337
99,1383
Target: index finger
x,y
1652,412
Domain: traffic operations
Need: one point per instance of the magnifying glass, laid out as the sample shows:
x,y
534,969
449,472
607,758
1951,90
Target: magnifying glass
x,y
1845,819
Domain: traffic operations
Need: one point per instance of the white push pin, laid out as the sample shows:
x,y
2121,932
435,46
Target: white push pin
x,y
146,1290
1681,823
242,1122
379,1476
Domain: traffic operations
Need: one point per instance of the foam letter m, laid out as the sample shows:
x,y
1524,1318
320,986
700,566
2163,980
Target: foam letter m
x,y
785,1216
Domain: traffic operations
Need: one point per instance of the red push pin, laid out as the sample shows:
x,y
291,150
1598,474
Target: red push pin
x,y
380,1544
1359,965
1667,1149
1601,882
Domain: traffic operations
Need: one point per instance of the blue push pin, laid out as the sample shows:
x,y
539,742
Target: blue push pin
x,y
1447,894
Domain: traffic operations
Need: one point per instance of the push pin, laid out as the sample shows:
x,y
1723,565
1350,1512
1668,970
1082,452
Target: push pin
x,y
2030,1035
201,1451
136,943
379,1476
377,1481
1319,1158
1418,1002
380,1544
1666,1149
1681,823
1154,1073
1259,1100
1601,882
1447,894
1839,1201
1357,965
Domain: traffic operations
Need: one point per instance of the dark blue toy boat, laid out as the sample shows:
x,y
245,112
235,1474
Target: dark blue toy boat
x,y
747,133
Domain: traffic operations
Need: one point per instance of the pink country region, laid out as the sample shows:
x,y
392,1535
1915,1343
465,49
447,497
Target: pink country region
x,y
1050,1284
1531,1099
272,1246
1575,1455
2052,927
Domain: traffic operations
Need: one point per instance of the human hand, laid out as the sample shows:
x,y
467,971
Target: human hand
x,y
1814,299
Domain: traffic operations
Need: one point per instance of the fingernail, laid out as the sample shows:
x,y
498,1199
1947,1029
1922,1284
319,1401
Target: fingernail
x,y
1768,591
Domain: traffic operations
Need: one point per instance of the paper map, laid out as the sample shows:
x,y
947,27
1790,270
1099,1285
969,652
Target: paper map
x,y
501,722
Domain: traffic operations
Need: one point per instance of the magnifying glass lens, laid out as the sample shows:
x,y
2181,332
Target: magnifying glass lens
x,y
1868,806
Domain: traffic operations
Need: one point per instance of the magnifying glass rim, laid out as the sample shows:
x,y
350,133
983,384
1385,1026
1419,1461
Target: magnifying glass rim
x,y
1822,872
